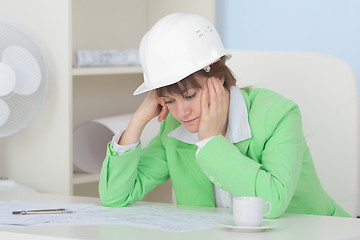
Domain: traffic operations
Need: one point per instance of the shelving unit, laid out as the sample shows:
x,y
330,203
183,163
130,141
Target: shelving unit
x,y
81,178
41,155
106,71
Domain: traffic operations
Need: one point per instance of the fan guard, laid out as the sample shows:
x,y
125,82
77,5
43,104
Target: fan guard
x,y
23,80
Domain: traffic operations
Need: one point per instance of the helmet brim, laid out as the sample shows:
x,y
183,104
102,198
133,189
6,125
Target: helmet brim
x,y
143,88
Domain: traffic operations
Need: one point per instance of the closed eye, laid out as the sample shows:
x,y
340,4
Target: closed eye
x,y
191,96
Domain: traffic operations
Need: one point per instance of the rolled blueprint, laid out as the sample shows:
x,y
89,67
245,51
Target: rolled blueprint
x,y
91,139
106,58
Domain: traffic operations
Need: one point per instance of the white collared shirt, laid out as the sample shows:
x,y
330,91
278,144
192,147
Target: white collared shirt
x,y
238,129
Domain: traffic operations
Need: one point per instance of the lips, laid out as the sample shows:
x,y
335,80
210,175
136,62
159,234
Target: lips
x,y
190,121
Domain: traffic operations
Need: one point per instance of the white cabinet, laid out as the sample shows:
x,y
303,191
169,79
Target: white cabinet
x,y
41,155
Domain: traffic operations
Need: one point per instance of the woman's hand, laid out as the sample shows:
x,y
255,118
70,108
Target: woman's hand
x,y
215,100
151,107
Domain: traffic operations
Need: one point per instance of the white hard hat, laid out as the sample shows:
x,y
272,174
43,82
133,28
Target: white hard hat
x,y
175,47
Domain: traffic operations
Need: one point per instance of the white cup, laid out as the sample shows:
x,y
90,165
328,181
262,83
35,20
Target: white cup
x,y
249,211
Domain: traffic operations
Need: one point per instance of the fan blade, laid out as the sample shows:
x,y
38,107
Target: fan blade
x,y
7,79
4,112
27,69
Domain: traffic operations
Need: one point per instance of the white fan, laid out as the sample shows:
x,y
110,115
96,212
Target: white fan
x,y
23,80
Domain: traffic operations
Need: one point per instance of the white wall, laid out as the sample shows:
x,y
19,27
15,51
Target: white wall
x,y
326,26
28,155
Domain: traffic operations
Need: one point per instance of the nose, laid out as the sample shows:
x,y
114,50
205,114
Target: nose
x,y
184,108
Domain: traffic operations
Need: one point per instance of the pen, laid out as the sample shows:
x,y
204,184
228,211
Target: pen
x,y
42,211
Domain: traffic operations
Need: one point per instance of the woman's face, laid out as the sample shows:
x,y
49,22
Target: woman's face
x,y
186,108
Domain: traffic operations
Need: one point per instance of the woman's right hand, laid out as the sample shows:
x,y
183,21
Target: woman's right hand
x,y
151,107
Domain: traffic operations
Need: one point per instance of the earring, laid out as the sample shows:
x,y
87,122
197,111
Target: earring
x,y
207,69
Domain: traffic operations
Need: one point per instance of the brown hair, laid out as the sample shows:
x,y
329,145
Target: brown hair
x,y
217,69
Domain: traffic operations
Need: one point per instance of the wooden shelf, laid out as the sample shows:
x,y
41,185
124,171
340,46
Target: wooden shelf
x,y
80,178
106,71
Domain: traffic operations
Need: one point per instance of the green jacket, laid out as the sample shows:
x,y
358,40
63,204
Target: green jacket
x,y
275,164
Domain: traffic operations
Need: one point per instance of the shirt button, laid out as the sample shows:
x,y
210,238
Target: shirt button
x,y
205,172
218,185
211,178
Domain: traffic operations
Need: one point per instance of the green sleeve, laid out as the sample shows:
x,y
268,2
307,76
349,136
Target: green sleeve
x,y
128,177
273,176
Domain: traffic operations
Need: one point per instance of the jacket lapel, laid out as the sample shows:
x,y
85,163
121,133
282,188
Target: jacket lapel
x,y
202,186
243,146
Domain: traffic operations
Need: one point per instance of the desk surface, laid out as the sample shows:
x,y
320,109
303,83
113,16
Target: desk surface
x,y
290,226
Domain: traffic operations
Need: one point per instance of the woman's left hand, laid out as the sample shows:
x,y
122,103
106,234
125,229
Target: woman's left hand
x,y
215,100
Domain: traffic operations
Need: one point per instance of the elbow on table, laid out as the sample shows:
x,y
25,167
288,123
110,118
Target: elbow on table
x,y
108,202
116,200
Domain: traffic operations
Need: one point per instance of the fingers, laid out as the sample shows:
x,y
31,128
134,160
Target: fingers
x,y
163,113
216,92
204,102
212,92
163,109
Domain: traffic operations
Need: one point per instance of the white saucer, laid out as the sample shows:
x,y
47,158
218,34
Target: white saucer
x,y
267,224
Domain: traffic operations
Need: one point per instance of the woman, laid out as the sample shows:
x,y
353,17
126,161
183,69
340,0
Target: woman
x,y
215,141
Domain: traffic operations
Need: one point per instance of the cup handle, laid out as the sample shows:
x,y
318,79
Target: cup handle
x,y
269,208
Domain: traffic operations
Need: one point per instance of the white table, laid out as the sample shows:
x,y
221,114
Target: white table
x,y
290,226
